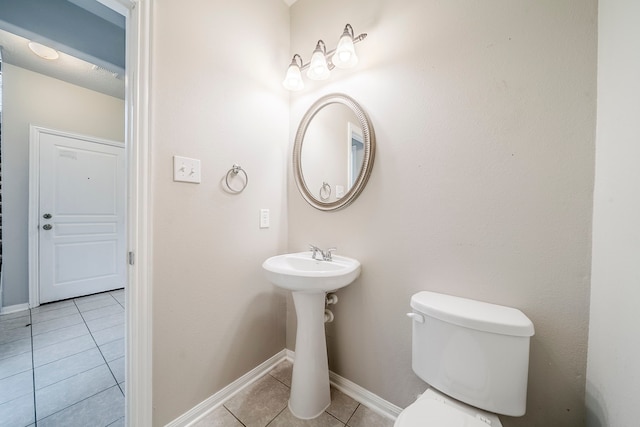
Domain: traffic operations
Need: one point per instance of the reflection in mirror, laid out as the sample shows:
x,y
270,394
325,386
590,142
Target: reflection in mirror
x,y
355,154
0,171
333,152
327,151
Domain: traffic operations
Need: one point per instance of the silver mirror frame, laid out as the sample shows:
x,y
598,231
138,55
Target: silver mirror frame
x,y
367,163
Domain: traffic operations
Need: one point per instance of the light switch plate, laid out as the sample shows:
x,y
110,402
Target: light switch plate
x,y
264,218
186,169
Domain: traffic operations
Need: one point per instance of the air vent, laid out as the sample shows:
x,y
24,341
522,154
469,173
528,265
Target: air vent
x,y
104,70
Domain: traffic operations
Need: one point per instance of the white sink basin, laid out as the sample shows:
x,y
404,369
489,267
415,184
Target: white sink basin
x,y
310,280
300,272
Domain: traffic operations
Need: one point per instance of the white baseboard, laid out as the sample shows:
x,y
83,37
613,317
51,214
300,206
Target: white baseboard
x,y
364,396
14,308
359,394
351,389
202,409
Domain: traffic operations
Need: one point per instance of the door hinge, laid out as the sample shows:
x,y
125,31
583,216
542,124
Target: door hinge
x,y
131,258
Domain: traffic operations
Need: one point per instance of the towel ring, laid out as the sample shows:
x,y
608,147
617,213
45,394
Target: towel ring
x,y
235,170
325,191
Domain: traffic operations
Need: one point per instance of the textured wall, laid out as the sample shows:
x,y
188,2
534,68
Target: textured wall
x,y
32,98
216,96
613,376
482,183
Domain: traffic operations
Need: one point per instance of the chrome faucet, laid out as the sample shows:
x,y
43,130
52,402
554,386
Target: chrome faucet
x,y
326,255
315,250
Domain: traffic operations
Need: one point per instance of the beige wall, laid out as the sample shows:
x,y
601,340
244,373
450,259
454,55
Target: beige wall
x,y
216,96
32,98
613,375
484,114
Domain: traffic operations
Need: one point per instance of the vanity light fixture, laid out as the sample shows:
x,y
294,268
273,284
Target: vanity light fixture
x,y
322,62
293,79
345,56
43,51
319,66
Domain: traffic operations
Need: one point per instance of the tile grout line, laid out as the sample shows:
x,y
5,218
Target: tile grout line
x,y
56,329
33,373
59,342
336,418
277,415
75,403
233,415
64,379
327,412
117,300
354,412
125,320
99,350
281,382
17,354
30,337
103,358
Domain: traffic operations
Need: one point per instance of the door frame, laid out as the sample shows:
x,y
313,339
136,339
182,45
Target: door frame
x,y
138,293
34,201
138,310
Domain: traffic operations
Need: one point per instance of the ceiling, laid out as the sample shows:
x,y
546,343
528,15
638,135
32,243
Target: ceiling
x,y
89,37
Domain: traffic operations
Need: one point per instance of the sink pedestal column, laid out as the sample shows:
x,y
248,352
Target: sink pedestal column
x,y
310,393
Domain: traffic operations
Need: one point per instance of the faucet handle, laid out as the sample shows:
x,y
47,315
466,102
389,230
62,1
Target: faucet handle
x,y
314,249
327,254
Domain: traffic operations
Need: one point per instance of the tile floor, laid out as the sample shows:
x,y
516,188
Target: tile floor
x,y
62,364
264,403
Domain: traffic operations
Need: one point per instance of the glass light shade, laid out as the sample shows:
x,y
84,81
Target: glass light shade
x,y
43,51
293,79
345,56
318,68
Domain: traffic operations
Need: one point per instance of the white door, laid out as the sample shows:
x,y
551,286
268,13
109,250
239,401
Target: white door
x,y
81,233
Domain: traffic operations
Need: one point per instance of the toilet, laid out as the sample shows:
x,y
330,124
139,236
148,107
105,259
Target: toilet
x,y
475,357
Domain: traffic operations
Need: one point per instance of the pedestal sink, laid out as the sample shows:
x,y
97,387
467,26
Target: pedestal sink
x,y
310,280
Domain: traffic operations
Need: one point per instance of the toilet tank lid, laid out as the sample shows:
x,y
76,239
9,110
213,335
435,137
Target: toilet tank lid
x,y
478,315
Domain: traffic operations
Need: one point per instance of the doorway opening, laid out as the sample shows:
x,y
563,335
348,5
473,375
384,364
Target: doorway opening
x,y
137,313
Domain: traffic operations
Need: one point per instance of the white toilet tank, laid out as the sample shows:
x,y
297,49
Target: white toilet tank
x,y
473,351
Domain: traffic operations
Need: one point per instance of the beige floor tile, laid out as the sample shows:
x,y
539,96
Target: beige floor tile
x,y
220,417
259,403
286,419
282,372
365,417
342,406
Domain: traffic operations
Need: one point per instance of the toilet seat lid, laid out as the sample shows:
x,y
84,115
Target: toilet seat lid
x,y
429,412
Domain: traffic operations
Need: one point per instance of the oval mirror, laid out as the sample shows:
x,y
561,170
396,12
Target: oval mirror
x,y
333,152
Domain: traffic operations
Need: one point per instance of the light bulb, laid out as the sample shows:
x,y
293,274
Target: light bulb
x,y
345,56
318,67
293,79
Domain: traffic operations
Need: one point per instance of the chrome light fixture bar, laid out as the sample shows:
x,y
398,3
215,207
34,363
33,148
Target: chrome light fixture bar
x,y
322,62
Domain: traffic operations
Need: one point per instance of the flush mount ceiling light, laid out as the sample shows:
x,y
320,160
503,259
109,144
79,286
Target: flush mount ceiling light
x,y
43,51
322,62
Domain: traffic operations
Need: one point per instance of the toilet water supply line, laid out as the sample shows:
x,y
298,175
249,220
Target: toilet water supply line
x,y
328,314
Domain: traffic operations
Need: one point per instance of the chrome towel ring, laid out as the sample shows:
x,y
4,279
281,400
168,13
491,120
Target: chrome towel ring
x,y
232,173
325,191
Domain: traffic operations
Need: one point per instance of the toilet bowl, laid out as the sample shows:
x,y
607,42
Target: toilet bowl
x,y
438,410
475,357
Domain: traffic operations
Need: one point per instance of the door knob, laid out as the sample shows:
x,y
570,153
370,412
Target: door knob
x,y
46,216
47,227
